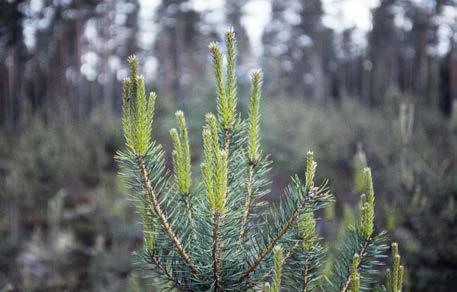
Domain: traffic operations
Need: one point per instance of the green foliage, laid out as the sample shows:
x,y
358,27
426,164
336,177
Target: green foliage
x,y
221,246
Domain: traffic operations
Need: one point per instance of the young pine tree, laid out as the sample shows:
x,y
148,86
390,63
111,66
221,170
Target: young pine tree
x,y
212,230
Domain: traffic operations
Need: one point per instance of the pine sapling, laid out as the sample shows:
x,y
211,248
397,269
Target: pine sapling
x,y
213,230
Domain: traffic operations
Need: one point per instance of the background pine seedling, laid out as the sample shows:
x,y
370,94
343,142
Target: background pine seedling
x,y
214,232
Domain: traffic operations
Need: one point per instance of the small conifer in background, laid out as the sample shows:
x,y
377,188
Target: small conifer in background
x,y
212,230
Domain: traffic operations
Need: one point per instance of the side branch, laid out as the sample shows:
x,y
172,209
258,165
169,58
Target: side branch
x,y
283,230
362,254
163,219
248,202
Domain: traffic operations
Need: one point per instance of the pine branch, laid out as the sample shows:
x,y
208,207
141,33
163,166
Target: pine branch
x,y
306,194
163,219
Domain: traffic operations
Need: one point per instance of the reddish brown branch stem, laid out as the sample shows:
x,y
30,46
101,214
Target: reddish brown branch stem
x,y
215,252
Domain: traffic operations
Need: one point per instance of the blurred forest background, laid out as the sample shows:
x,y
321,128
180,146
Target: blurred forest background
x,y
356,81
